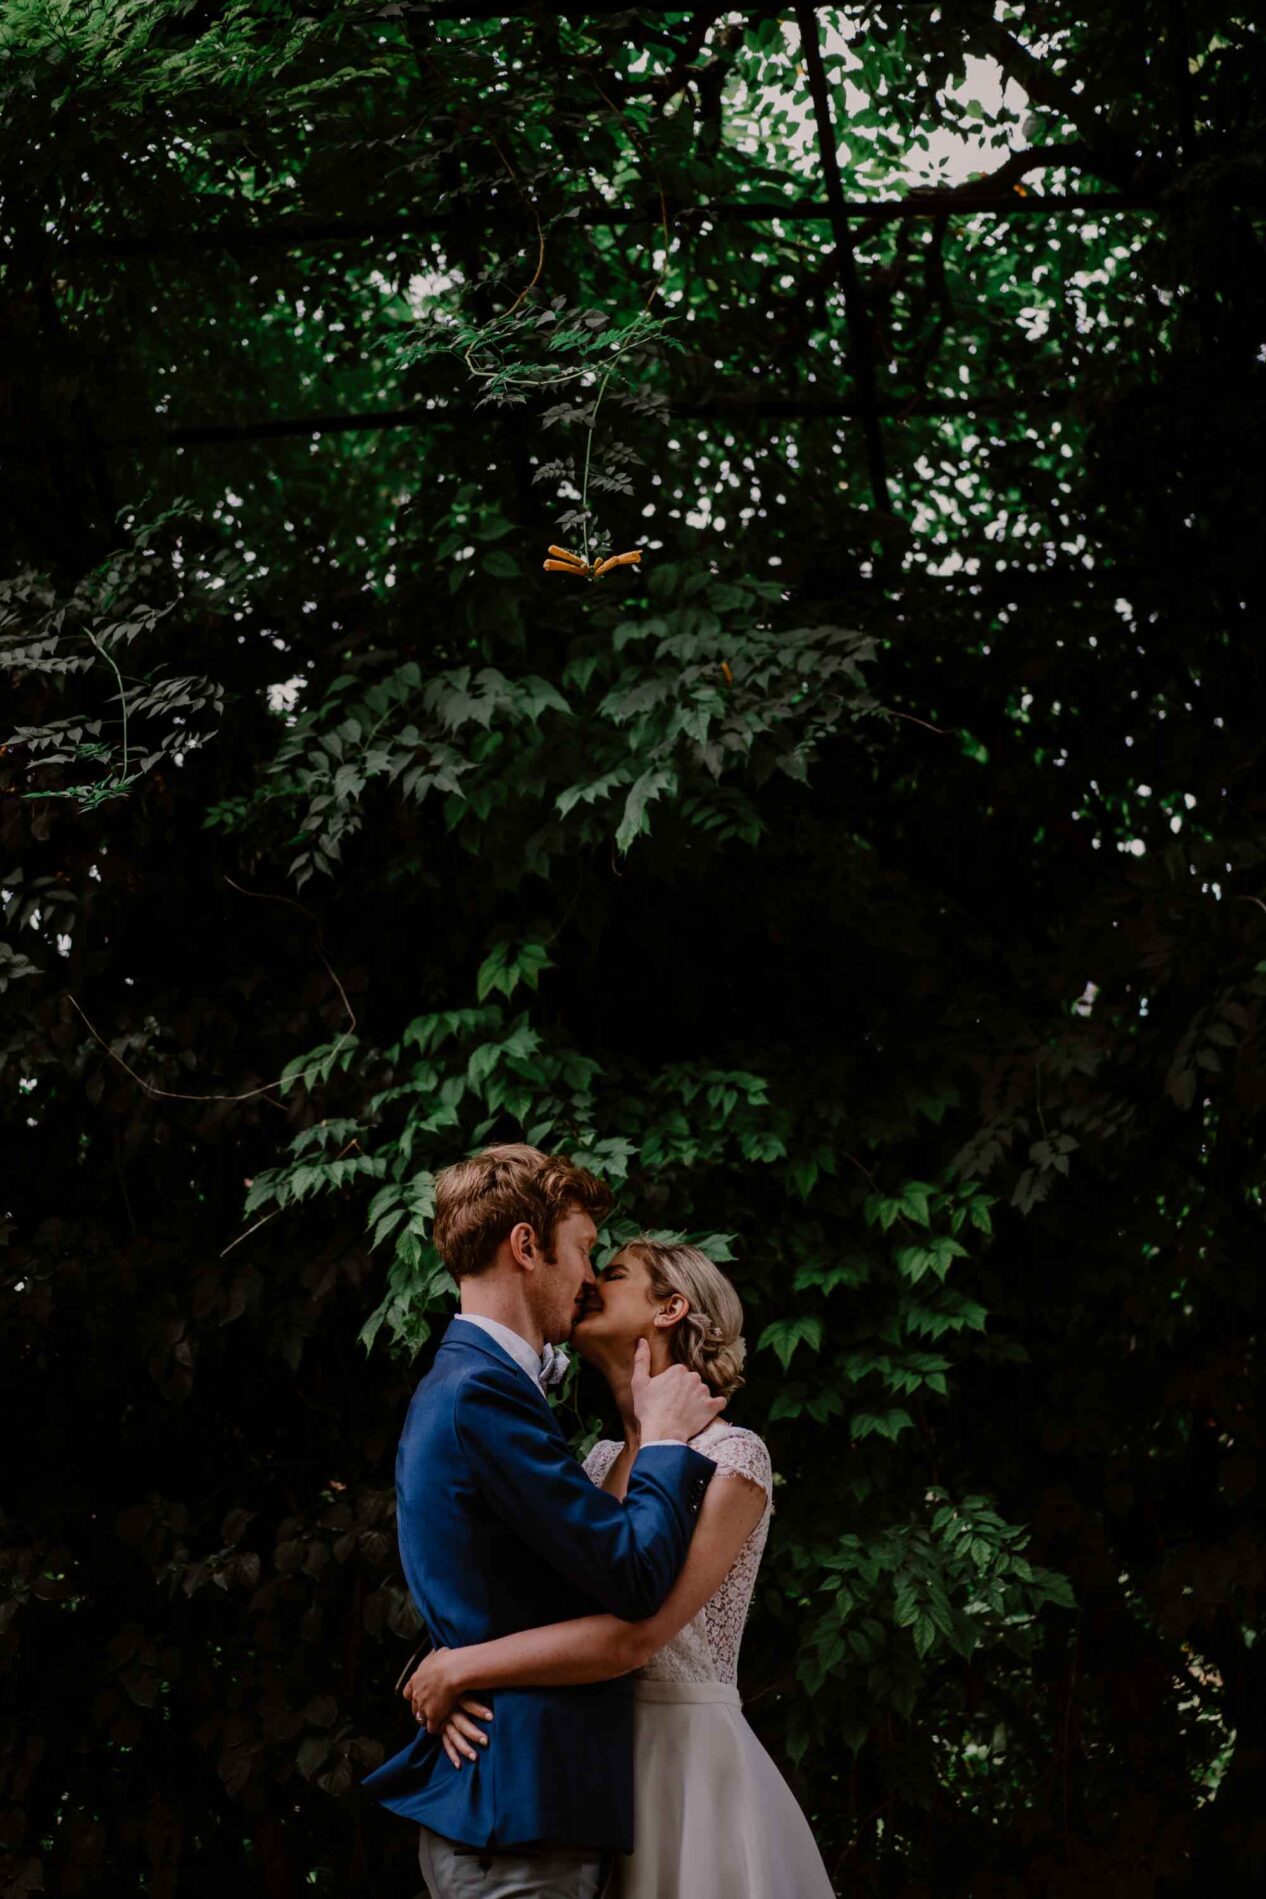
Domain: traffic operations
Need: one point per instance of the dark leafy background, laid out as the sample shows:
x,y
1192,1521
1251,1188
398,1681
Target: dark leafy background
x,y
870,883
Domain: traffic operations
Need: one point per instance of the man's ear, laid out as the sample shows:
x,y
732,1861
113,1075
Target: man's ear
x,y
525,1246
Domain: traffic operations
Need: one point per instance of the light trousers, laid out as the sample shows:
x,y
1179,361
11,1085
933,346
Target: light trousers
x,y
453,1871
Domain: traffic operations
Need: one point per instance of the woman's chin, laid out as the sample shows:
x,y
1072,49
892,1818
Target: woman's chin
x,y
589,1339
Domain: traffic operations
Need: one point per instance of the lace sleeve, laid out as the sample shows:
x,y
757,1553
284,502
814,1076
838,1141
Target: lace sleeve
x,y
600,1460
743,1454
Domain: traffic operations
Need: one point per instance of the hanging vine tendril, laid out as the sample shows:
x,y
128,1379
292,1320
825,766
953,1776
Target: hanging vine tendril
x,y
492,353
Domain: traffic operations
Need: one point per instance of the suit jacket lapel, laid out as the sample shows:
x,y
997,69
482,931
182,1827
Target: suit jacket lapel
x,y
464,1336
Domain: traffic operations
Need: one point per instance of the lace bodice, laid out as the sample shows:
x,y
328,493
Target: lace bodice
x,y
707,1648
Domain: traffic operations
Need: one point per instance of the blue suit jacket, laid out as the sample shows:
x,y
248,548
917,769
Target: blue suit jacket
x,y
501,1530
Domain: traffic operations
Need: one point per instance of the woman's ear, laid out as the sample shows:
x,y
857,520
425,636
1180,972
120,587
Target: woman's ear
x,y
673,1310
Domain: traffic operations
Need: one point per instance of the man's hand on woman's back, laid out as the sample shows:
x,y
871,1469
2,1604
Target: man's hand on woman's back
x,y
674,1404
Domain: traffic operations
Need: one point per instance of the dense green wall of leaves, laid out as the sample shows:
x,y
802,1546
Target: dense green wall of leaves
x,y
871,881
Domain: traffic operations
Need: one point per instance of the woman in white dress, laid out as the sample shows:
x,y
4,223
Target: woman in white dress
x,y
714,1819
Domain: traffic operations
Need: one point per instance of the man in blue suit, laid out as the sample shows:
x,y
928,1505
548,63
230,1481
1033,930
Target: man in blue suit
x,y
500,1530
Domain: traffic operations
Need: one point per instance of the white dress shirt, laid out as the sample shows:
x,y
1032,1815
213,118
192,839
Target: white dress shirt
x,y
524,1354
528,1359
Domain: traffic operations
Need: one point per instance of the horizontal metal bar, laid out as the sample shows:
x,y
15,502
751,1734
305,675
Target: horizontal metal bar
x,y
296,234
789,409
439,10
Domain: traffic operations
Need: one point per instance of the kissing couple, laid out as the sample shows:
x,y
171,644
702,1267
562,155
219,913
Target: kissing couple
x,y
578,1730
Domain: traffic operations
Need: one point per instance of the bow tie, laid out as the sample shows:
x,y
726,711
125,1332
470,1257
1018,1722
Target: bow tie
x,y
554,1365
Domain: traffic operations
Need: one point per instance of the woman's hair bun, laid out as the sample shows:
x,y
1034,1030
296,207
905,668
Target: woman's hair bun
x,y
709,1339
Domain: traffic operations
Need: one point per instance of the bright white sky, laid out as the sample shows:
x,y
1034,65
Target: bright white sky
x,y
949,159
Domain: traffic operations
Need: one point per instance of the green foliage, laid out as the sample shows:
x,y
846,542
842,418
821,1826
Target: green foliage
x,y
539,345
950,1585
81,635
874,897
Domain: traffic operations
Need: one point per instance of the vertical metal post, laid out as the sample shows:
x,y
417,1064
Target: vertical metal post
x,y
856,309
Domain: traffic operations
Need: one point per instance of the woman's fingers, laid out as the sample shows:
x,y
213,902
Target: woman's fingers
x,y
454,1746
465,1726
460,1733
454,1738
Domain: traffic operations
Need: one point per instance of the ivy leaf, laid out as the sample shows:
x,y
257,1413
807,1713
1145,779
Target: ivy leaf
x,y
785,1334
644,789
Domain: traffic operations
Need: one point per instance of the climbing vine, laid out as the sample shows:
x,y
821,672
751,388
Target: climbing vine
x,y
866,880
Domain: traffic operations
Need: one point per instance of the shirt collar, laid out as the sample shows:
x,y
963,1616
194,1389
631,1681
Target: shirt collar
x,y
524,1355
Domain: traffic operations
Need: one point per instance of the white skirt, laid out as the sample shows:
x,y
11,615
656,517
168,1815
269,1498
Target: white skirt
x,y
714,1819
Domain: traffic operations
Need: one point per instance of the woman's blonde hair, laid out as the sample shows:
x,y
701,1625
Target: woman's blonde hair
x,y
710,1337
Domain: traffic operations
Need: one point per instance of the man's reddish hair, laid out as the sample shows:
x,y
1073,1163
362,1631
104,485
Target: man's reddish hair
x,y
478,1201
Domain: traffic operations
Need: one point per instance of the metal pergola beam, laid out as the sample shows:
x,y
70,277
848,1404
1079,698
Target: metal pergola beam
x,y
394,11
298,233
790,409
